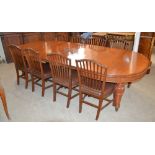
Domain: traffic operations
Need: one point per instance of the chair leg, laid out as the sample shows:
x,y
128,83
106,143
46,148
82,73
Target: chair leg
x,y
148,71
43,87
54,91
26,80
129,84
32,83
17,77
99,109
80,102
4,104
69,96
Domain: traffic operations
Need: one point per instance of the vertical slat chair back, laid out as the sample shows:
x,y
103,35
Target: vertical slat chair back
x,y
97,41
62,38
17,56
60,66
33,60
117,43
129,45
75,39
92,75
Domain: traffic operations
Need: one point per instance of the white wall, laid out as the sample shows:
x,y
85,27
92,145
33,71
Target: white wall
x,y
1,50
136,42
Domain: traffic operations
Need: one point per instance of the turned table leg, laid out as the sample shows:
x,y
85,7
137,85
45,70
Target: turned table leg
x,y
2,95
119,91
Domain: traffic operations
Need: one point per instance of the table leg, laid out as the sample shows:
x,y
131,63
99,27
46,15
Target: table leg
x,y
119,91
3,97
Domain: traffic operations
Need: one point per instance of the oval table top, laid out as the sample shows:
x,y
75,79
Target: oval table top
x,y
123,66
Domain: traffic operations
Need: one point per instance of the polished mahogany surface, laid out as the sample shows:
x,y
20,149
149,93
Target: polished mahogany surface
x,y
123,66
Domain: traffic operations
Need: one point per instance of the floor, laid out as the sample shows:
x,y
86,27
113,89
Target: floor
x,y
137,105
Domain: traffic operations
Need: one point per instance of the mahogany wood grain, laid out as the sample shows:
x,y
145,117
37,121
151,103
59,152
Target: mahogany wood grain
x,y
123,66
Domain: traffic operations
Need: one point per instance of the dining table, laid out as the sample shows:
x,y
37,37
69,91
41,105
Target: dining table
x,y
123,66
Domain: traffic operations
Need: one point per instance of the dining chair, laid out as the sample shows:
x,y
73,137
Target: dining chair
x,y
49,36
75,39
63,76
115,43
3,98
39,70
21,65
122,44
60,37
129,45
99,41
31,37
92,83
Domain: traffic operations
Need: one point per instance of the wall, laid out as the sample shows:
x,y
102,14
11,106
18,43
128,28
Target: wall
x,y
136,41
1,50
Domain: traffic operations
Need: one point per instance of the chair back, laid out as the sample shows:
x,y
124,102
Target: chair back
x,y
49,36
113,43
60,37
76,39
91,75
129,45
97,41
34,61
17,57
60,67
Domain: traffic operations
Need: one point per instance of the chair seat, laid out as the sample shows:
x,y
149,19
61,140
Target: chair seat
x,y
65,82
109,88
46,70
